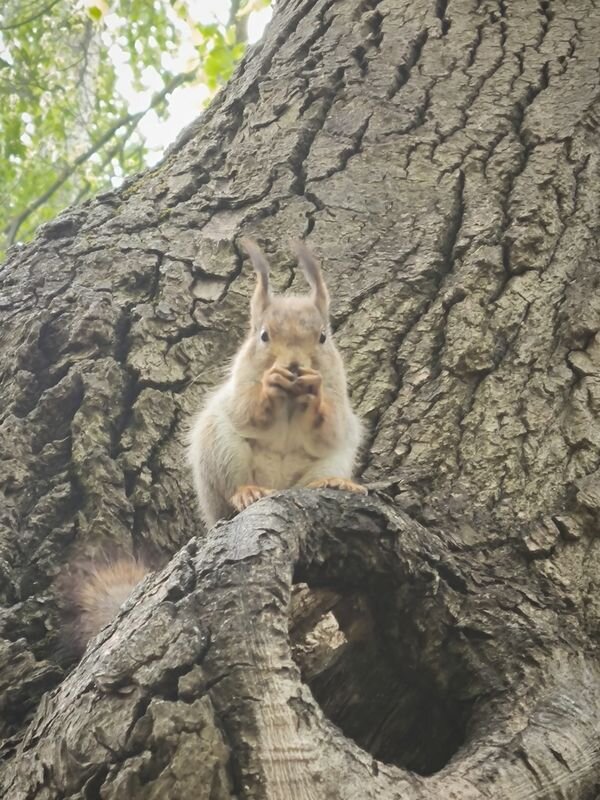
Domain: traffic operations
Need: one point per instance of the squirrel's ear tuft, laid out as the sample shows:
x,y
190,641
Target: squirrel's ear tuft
x,y
261,296
312,271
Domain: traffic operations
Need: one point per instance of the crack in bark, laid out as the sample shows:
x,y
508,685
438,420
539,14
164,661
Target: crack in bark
x,y
403,70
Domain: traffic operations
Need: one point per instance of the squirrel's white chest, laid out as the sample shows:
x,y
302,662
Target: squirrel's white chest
x,y
279,458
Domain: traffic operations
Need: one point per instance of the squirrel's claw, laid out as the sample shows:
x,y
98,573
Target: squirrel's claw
x,y
246,495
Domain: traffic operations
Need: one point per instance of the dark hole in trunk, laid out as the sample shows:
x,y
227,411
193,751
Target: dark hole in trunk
x,y
377,677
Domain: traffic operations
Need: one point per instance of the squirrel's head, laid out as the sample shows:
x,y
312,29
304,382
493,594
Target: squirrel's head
x,y
292,331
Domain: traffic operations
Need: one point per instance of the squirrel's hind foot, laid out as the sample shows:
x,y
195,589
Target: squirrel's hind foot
x,y
343,484
246,495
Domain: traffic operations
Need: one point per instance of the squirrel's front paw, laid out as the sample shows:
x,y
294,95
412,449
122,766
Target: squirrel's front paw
x,y
246,495
308,389
278,381
343,484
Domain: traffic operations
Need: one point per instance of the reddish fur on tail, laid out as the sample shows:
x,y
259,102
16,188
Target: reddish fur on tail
x,y
94,591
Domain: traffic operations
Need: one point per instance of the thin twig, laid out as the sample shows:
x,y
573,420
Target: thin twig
x,y
115,150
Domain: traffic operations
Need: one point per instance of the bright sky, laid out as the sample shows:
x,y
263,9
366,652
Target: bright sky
x,y
185,103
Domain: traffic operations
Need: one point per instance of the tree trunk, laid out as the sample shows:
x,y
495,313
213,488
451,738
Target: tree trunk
x,y
434,640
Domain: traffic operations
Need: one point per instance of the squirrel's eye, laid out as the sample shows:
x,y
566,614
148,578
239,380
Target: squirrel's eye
x,y
264,335
322,337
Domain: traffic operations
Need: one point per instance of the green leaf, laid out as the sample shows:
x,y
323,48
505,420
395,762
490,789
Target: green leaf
x,y
95,13
250,6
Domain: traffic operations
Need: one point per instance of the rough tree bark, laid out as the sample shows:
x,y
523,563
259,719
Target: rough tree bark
x,y
442,158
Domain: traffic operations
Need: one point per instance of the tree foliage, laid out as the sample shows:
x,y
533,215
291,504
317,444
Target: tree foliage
x,y
67,74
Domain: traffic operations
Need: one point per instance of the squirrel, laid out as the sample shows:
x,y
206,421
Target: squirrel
x,y
282,418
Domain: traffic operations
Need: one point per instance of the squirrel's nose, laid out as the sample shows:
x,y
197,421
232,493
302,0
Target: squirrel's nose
x,y
294,367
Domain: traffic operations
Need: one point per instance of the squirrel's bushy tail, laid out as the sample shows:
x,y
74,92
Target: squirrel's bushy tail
x,y
92,593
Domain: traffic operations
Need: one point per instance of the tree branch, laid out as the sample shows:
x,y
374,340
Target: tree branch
x,y
241,23
33,17
208,638
13,226
108,157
